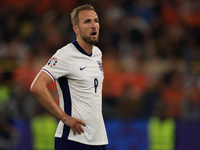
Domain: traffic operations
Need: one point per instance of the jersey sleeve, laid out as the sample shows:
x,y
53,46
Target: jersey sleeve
x,y
58,65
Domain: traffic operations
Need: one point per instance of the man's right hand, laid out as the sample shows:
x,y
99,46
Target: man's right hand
x,y
74,124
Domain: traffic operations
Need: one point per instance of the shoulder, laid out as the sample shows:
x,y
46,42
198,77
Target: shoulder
x,y
64,52
96,51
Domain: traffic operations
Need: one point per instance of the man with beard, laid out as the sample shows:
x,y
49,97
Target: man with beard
x,y
77,70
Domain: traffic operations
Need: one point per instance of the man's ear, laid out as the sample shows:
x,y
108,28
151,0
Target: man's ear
x,y
76,29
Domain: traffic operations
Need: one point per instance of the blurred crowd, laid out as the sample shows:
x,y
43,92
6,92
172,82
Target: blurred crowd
x,y
151,56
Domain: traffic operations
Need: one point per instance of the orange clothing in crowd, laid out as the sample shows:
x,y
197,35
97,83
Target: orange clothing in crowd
x,y
114,84
40,6
172,98
137,80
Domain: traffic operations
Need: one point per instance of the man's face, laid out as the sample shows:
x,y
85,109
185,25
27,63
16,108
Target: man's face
x,y
89,26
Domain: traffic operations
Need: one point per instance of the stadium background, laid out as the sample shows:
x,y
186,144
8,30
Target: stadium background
x,y
151,62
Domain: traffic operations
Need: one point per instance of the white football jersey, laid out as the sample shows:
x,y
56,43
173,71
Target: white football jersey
x,y
79,79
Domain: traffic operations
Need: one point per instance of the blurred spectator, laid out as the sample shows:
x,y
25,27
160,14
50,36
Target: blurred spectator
x,y
161,130
8,123
43,127
190,106
172,94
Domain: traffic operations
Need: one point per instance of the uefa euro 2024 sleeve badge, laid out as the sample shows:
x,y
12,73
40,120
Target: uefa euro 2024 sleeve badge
x,y
52,62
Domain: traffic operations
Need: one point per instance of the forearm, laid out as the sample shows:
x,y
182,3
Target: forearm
x,y
39,88
47,101
45,98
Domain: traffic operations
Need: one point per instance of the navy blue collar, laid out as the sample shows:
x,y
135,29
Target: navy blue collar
x,y
80,48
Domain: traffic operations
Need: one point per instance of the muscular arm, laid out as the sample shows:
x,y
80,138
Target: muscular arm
x,y
40,89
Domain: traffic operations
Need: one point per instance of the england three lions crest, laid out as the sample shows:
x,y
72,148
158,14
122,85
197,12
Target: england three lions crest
x,y
100,65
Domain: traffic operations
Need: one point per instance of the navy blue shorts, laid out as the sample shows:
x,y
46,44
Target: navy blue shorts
x,y
65,144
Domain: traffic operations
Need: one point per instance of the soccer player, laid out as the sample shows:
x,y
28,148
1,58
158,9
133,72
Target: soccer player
x,y
77,70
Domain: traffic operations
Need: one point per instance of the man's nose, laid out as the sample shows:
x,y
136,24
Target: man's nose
x,y
94,24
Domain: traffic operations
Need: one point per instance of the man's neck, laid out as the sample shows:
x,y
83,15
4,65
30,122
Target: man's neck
x,y
85,46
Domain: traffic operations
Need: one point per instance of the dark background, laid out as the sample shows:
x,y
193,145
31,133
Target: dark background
x,y
151,62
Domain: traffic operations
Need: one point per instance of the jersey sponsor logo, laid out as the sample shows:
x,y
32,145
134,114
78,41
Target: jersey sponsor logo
x,y
52,62
82,68
100,65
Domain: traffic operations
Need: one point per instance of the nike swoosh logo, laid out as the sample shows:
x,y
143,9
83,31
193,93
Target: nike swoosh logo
x,y
82,68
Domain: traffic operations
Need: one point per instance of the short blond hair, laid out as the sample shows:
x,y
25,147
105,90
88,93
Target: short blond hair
x,y
74,14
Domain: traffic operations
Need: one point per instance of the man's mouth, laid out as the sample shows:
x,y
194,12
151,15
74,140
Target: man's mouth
x,y
93,33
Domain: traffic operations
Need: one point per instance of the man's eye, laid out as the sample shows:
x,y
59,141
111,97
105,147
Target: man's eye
x,y
87,21
96,20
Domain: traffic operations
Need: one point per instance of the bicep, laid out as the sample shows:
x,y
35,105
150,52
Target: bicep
x,y
39,88
41,80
